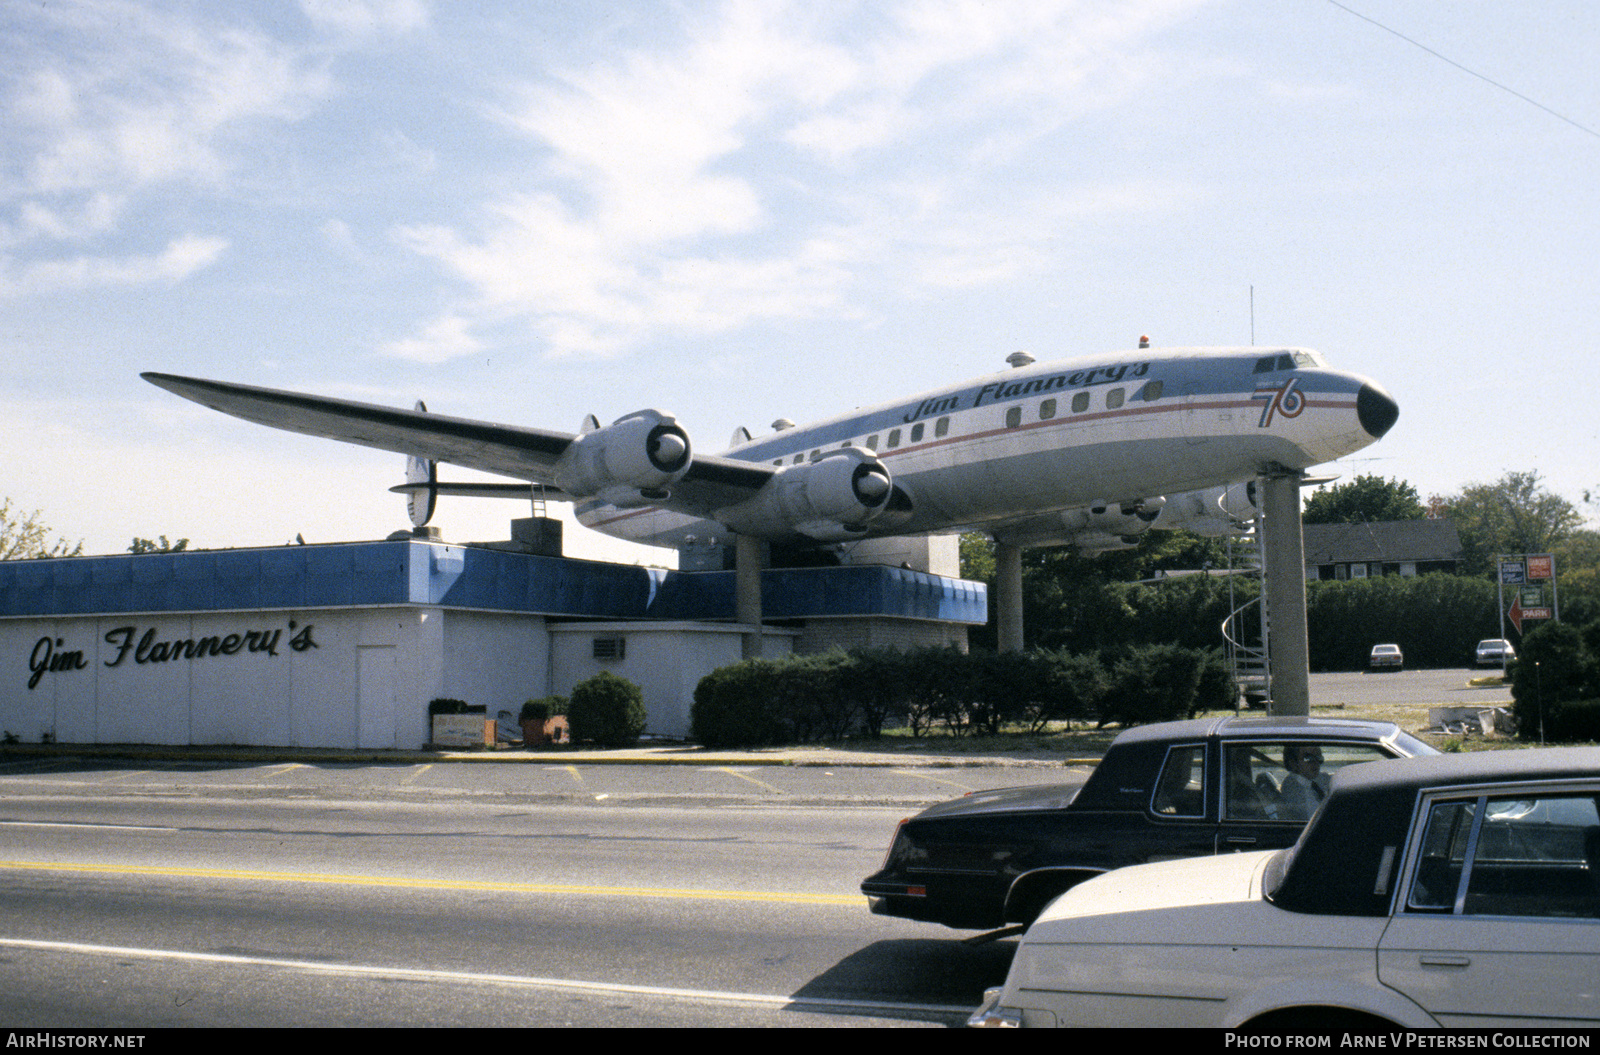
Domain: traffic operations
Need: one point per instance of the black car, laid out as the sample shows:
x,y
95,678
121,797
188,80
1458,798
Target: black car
x,y
1177,789
1456,891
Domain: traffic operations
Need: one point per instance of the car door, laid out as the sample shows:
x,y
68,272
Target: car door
x,y
1270,788
1498,920
1180,820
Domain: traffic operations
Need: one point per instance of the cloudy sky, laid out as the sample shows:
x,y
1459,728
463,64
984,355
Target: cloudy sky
x,y
745,210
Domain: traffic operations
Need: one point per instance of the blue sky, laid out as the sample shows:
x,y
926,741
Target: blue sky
x,y
746,210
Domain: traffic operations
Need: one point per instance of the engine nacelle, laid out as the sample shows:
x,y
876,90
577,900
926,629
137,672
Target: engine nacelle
x,y
1216,512
631,462
832,499
1103,527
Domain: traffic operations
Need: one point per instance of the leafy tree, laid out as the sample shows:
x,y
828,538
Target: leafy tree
x,y
1515,514
24,536
977,557
1365,499
144,545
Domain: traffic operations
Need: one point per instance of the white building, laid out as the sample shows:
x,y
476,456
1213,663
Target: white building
x,y
344,645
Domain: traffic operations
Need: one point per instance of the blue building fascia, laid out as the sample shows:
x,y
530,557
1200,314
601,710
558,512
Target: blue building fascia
x,y
431,574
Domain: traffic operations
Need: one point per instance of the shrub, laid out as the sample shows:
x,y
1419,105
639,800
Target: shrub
x,y
737,706
1076,686
606,709
543,709
1153,683
1572,721
1550,668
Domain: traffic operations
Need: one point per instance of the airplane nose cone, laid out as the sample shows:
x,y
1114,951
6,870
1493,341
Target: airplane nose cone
x,y
1376,410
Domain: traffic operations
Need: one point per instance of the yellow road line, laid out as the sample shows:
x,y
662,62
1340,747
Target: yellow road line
x,y
753,780
402,882
936,780
286,768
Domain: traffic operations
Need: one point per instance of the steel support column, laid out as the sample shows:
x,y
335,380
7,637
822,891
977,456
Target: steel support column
x,y
747,560
1008,596
1283,548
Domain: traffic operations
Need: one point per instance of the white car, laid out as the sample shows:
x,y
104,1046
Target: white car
x,y
1494,652
1386,657
1458,890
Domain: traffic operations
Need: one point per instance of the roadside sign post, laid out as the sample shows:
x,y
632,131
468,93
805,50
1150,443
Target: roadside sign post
x,y
1526,571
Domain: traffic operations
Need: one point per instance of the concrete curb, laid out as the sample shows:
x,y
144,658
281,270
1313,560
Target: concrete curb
x,y
676,754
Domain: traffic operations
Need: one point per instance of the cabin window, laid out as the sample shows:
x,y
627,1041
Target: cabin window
x,y
1267,365
872,442
843,445
778,461
1047,410
916,432
1013,417
1152,391
1080,402
941,427
894,438
815,455
799,458
1114,399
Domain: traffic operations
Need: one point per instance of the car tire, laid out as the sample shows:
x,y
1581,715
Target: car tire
x,y
1316,1020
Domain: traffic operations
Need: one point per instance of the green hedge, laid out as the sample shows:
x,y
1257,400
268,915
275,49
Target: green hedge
x,y
826,697
1435,619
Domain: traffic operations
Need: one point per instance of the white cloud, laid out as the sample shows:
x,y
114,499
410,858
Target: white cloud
x,y
117,96
446,338
362,17
683,187
182,257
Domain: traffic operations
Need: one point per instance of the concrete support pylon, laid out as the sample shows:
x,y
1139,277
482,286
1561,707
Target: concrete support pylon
x,y
747,560
1008,596
1283,546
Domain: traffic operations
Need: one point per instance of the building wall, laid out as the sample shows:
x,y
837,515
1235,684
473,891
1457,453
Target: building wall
x,y
494,659
820,635
666,661
328,678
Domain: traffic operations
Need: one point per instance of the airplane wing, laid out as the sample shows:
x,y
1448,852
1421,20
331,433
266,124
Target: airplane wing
x,y
509,450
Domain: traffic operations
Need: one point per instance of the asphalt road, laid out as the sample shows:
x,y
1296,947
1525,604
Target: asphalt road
x,y
147,894
468,895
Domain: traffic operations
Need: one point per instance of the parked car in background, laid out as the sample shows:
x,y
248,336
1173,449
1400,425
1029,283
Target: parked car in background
x,y
1174,789
1454,890
1386,657
1494,652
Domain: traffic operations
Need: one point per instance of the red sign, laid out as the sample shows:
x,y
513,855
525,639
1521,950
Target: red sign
x,y
1541,566
1519,613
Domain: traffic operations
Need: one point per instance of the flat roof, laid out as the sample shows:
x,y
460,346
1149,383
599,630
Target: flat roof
x,y
418,572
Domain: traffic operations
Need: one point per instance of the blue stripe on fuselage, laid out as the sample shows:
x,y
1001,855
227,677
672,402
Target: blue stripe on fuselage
x,y
1185,377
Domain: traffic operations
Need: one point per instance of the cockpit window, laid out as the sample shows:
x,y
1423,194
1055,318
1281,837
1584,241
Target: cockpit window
x,y
1287,361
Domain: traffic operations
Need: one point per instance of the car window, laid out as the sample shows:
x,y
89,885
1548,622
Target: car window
x,y
1507,855
1285,780
1181,790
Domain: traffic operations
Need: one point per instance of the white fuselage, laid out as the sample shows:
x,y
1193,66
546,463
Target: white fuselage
x,y
1002,450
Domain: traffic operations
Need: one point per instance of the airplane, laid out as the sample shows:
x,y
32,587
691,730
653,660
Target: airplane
x,y
1088,451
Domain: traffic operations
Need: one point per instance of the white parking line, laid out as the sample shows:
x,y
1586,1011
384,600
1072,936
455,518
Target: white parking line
x,y
474,978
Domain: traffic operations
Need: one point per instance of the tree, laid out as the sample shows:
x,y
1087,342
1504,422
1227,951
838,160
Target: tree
x,y
1365,499
24,536
1515,514
977,557
144,545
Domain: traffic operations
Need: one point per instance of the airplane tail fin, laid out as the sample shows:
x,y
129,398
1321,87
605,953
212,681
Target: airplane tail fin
x,y
423,475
